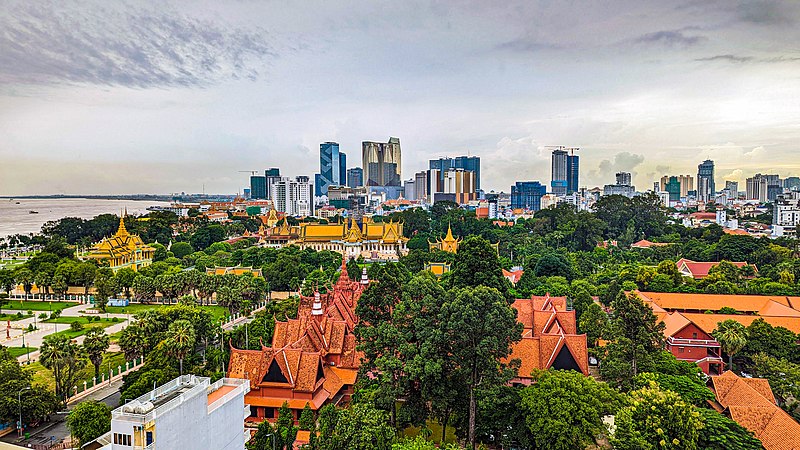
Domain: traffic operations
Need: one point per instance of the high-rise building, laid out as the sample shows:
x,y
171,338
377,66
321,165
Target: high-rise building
x,y
673,186
187,412
573,173
258,187
705,181
558,172
686,184
624,178
527,195
294,197
471,163
332,168
273,175
381,162
355,177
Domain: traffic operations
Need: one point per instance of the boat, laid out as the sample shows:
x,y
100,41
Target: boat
x,y
33,212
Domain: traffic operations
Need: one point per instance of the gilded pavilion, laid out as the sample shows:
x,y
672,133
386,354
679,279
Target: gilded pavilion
x,y
376,241
123,250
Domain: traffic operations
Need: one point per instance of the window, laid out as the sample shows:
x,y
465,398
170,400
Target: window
x,y
122,439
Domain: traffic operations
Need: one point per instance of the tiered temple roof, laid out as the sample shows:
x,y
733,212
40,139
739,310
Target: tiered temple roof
x,y
123,250
312,359
549,337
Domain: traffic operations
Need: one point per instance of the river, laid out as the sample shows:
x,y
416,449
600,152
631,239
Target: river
x,y
17,219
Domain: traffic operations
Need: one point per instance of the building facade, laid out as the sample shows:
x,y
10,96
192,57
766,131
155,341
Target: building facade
x,y
355,177
706,189
381,163
470,163
558,172
294,197
188,412
527,195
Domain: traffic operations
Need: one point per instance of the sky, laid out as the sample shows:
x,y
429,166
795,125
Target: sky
x,y
122,97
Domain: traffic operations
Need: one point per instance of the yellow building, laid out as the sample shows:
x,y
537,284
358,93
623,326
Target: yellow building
x,y
448,244
376,241
123,250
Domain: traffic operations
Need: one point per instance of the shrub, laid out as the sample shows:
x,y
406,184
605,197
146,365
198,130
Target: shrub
x,y
76,326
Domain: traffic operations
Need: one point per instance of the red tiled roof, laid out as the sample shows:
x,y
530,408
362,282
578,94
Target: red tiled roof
x,y
750,402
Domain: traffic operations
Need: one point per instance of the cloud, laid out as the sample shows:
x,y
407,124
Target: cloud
x,y
672,38
728,58
135,48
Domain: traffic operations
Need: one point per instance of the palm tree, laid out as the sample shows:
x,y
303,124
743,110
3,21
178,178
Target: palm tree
x,y
180,340
732,337
95,345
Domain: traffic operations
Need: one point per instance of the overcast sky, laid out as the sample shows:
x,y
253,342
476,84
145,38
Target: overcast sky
x,y
162,97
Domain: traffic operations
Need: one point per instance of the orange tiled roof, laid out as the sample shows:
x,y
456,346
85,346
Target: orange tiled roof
x,y
750,402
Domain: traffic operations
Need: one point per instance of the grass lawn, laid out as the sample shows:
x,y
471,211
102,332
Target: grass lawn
x,y
436,436
73,334
35,305
13,317
19,351
217,312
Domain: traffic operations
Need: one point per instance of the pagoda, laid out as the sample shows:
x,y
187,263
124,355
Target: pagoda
x,y
123,250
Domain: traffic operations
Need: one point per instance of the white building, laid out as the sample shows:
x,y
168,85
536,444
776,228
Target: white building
x,y
293,197
189,412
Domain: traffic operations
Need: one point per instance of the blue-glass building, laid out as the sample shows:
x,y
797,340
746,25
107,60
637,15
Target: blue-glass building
x,y
527,195
573,172
332,168
471,163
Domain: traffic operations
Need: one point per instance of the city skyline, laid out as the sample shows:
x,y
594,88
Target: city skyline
x,y
640,87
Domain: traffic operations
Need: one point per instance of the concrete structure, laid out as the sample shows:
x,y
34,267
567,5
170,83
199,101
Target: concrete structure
x,y
381,163
355,177
558,172
471,163
294,197
189,412
527,195
705,181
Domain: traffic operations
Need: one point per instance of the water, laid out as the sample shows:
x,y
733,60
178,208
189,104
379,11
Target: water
x,y
16,218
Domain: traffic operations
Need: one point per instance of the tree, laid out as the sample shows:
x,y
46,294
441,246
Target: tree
x,y
65,359
656,419
476,264
479,328
563,409
144,288
95,344
732,337
88,421
722,433
180,340
635,338
181,249
359,427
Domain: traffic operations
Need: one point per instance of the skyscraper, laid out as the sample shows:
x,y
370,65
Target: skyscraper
x,y
705,181
355,177
527,195
471,163
558,178
332,168
258,187
381,162
573,173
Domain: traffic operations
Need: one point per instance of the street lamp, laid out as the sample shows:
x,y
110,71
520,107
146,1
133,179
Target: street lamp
x,y
19,400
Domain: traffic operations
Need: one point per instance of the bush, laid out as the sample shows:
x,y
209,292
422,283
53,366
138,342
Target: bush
x,y
76,326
